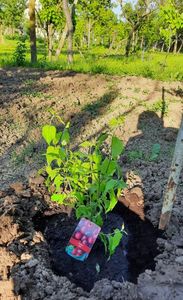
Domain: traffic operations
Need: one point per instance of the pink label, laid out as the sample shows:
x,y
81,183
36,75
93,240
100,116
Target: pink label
x,y
83,239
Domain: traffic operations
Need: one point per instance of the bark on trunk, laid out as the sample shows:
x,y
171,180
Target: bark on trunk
x,y
32,28
131,37
70,27
50,41
112,42
169,45
170,192
142,43
128,44
89,33
61,41
155,47
65,31
175,45
1,33
180,48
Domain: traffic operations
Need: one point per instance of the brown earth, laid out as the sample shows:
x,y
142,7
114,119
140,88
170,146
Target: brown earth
x,y
90,103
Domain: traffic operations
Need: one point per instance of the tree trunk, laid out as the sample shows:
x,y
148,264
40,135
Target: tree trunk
x,y
112,42
155,46
169,44
162,48
50,41
129,41
89,32
135,41
175,44
1,33
142,43
65,31
61,41
70,27
180,48
32,30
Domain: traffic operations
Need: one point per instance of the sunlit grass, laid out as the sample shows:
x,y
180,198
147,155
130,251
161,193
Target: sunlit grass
x,y
99,60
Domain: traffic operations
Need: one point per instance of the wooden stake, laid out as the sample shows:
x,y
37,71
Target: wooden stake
x,y
170,192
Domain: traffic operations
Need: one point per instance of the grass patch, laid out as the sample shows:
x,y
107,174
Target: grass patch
x,y
99,60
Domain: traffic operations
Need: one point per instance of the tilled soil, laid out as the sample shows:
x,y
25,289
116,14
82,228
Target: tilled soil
x,y
89,102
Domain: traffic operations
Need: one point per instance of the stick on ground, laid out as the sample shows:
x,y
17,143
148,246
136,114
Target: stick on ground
x,y
170,192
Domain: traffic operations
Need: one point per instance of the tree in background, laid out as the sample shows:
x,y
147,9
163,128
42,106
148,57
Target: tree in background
x,y
70,28
32,31
64,32
11,15
171,29
50,17
91,13
135,16
85,24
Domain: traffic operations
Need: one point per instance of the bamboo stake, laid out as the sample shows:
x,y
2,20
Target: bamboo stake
x,y
170,192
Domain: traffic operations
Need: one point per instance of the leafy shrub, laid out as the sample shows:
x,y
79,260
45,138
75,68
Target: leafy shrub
x,y
135,154
147,72
160,106
85,179
155,151
20,53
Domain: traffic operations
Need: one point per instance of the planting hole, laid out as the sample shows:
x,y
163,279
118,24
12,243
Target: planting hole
x,y
135,253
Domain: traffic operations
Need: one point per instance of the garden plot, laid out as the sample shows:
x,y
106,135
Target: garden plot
x,y
32,267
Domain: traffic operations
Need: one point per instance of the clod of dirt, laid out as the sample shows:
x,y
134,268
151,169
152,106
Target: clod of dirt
x,y
17,187
8,230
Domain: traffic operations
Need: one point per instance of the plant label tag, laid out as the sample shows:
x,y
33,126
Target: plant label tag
x,y
83,239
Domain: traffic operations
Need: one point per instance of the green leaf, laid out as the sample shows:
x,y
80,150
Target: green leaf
x,y
62,153
67,125
117,147
57,138
52,153
98,220
115,122
108,167
114,241
51,172
113,201
58,181
104,240
101,139
49,133
59,198
65,137
155,152
86,144
110,185
83,211
80,154
96,159
86,165
79,196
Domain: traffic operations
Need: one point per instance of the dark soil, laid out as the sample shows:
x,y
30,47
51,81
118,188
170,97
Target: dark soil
x,y
135,253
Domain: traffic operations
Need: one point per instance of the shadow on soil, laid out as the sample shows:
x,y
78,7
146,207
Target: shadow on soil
x,y
90,112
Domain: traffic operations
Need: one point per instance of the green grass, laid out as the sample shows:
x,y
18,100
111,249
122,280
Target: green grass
x,y
99,60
